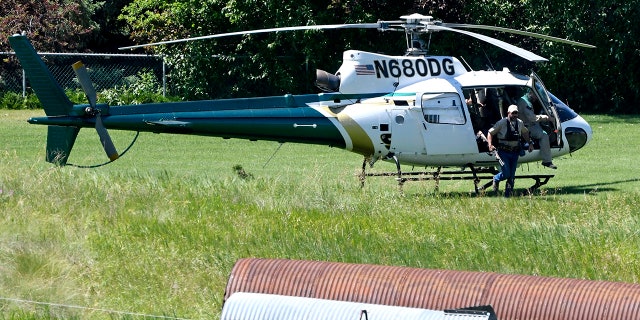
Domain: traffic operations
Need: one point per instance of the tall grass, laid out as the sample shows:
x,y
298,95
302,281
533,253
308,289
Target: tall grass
x,y
158,231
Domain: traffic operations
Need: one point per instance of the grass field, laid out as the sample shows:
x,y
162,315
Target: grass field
x,y
158,231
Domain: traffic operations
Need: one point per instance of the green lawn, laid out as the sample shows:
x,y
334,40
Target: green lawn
x,y
158,231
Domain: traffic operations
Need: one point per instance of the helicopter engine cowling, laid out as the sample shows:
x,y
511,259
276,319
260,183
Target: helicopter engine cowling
x,y
326,81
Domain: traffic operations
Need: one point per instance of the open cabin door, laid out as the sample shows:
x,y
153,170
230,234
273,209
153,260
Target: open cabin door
x,y
445,128
555,131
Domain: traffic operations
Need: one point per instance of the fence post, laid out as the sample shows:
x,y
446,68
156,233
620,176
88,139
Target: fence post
x,y
24,84
164,79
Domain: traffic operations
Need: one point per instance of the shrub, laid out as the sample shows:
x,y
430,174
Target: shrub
x,y
12,100
141,88
31,101
15,101
77,96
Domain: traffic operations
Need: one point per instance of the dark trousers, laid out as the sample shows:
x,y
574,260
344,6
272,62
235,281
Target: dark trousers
x,y
508,170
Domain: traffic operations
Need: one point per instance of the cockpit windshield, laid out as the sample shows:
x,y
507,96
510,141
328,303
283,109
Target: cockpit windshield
x,y
564,112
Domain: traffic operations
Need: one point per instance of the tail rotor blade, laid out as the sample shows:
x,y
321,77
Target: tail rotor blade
x,y
92,96
105,139
85,82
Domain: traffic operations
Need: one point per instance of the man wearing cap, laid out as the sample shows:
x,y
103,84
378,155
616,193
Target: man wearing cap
x,y
531,120
508,131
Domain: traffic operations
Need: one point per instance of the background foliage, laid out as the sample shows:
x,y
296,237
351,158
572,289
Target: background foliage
x,y
54,25
605,79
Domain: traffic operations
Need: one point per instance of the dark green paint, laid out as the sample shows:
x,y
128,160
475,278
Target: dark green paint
x,y
285,118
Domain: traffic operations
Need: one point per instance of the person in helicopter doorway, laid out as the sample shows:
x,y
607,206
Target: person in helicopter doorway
x,y
531,121
508,131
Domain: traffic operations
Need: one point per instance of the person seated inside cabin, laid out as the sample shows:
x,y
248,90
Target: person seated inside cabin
x,y
474,109
529,108
490,101
511,95
483,106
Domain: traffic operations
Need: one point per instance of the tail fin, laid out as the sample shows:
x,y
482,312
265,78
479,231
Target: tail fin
x,y
51,95
60,140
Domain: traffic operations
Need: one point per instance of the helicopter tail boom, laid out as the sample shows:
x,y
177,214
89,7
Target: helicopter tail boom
x,y
284,119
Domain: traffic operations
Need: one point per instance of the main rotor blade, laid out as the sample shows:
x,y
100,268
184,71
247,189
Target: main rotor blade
x,y
85,82
520,32
498,43
239,33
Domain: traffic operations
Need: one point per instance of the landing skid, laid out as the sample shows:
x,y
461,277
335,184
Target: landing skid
x,y
475,174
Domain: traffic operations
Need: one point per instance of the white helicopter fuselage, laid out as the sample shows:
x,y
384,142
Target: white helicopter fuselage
x,y
413,109
425,114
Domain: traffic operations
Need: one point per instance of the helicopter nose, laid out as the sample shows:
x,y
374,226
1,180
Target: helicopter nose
x,y
578,133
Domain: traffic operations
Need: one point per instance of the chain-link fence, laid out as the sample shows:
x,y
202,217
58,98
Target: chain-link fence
x,y
106,70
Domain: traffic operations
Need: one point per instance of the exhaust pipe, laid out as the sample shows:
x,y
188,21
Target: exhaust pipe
x,y
326,81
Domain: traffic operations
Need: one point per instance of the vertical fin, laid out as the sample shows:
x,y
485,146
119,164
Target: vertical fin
x,y
60,140
51,95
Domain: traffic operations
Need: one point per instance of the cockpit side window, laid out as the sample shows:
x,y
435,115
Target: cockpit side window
x,y
540,90
542,94
445,108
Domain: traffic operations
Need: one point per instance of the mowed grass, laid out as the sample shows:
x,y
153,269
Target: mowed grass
x,y
158,231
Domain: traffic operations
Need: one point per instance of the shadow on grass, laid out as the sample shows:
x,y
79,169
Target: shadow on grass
x,y
592,188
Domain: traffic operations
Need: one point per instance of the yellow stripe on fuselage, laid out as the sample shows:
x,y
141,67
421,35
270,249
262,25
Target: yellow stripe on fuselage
x,y
362,143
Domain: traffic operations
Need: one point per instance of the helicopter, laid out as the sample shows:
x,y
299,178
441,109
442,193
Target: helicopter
x,y
415,109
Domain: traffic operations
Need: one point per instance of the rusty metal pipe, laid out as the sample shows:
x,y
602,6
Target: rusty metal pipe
x,y
512,296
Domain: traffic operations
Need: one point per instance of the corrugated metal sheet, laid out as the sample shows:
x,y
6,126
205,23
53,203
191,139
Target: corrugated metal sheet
x,y
260,306
512,296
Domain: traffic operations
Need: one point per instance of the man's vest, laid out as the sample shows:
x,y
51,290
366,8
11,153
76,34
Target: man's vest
x,y
511,141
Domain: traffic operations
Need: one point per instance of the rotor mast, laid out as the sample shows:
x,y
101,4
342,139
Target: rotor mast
x,y
414,26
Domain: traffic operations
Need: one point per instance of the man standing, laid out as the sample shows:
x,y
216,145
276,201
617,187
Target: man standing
x,y
508,131
531,120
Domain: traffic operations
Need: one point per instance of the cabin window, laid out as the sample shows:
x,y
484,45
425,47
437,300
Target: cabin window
x,y
445,108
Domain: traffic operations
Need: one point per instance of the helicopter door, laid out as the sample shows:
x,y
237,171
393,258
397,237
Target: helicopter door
x,y
550,109
406,135
444,126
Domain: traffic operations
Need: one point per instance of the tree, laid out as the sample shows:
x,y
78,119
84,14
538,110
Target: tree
x,y
605,79
113,32
196,66
602,79
52,25
259,64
